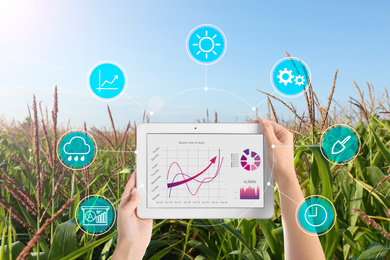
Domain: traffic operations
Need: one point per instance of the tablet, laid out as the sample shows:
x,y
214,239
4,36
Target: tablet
x,y
203,171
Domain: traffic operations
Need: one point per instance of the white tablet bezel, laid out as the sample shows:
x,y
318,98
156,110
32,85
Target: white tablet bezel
x,y
200,128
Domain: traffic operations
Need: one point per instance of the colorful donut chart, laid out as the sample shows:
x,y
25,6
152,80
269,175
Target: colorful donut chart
x,y
244,160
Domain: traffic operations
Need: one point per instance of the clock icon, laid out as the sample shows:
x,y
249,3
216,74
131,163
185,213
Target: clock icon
x,y
315,214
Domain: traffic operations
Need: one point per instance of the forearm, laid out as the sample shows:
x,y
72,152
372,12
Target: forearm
x,y
125,251
297,244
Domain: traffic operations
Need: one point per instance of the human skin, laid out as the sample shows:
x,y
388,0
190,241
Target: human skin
x,y
297,244
134,233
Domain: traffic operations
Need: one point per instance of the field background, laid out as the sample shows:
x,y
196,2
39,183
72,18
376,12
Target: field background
x,y
48,43
38,195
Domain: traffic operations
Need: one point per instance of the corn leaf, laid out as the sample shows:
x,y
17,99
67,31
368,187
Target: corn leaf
x,y
17,248
237,234
320,167
89,247
375,251
267,226
163,252
383,149
64,240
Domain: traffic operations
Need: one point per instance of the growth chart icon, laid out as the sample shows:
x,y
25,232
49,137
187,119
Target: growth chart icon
x,y
107,81
206,44
101,87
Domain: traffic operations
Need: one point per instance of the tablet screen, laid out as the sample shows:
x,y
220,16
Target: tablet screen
x,y
205,170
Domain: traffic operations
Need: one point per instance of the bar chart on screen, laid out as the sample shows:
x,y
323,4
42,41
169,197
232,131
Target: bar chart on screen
x,y
249,193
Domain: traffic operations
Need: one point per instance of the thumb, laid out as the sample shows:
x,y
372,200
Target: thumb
x,y
268,131
133,202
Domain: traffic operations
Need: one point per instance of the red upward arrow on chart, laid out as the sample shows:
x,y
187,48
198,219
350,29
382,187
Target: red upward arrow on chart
x,y
173,184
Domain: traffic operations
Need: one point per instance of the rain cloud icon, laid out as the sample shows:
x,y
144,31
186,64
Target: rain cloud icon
x,y
69,148
86,146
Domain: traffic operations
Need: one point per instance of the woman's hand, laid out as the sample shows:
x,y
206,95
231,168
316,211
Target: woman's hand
x,y
297,244
133,233
280,150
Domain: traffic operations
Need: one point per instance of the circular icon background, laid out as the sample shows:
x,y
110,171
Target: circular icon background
x,y
290,77
76,149
107,80
206,44
340,144
95,215
316,215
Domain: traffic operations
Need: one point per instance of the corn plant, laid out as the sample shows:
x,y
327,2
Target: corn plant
x,y
38,195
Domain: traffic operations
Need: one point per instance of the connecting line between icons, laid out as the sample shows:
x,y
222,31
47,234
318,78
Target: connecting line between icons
x,y
293,146
126,195
230,93
284,194
273,164
132,99
182,92
117,151
151,112
206,79
264,100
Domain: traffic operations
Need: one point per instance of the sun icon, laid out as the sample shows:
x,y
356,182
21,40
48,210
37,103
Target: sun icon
x,y
206,44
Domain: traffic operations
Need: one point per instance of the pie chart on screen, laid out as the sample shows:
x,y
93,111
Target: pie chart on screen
x,y
250,160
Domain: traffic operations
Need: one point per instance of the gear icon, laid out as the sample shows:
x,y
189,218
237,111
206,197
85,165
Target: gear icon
x,y
285,81
299,80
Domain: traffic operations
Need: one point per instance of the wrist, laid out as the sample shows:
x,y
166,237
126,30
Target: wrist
x,y
285,178
136,253
128,250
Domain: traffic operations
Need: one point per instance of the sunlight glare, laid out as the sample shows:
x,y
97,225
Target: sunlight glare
x,y
14,14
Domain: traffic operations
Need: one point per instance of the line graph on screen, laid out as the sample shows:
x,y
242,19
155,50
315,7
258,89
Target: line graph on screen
x,y
187,178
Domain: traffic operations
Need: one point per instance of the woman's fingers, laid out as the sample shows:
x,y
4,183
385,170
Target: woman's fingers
x,y
277,128
133,202
281,133
268,131
274,133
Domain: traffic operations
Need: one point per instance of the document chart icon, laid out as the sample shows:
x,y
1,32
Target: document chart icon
x,y
95,215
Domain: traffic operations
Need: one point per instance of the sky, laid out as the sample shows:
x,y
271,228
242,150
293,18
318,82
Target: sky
x,y
49,43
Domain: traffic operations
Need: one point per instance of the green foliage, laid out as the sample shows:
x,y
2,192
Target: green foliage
x,y
359,185
374,251
64,240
